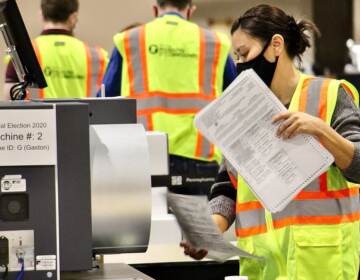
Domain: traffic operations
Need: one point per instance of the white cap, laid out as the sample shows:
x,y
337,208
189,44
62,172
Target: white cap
x,y
236,278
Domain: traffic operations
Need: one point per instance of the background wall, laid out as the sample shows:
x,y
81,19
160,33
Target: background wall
x,y
100,20
223,12
356,18
331,53
220,9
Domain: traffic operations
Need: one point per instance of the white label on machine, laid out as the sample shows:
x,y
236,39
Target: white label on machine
x,y
21,245
27,137
46,262
13,183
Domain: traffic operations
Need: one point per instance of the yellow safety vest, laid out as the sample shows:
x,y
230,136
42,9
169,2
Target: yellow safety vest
x,y
173,68
316,236
72,69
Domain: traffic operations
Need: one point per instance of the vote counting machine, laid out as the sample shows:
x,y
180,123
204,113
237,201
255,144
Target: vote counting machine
x,y
74,176
75,182
75,179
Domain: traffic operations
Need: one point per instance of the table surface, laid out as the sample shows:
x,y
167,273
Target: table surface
x,y
119,271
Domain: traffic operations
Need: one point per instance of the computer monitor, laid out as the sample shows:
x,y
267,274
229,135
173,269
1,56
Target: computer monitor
x,y
20,48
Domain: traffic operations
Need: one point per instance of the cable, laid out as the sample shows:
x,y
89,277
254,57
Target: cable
x,y
4,257
15,91
21,274
5,273
18,91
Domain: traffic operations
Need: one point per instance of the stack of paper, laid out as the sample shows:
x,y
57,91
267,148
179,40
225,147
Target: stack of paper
x,y
194,217
240,124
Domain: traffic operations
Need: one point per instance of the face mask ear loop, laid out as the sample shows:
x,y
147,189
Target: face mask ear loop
x,y
265,47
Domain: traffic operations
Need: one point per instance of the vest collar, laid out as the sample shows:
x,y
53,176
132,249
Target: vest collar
x,y
56,32
171,14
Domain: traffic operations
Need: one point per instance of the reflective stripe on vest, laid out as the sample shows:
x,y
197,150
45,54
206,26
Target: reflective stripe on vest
x,y
136,61
320,211
209,58
39,93
323,201
250,222
96,66
314,186
150,102
100,68
232,173
180,103
95,70
351,90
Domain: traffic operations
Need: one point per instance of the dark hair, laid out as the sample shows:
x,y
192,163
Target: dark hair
x,y
264,21
179,4
58,10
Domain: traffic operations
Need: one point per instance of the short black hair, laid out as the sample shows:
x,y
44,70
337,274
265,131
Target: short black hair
x,y
58,10
179,4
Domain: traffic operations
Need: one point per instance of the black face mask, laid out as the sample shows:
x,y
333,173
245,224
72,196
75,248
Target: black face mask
x,y
261,66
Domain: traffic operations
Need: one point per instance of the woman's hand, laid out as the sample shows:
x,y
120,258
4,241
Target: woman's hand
x,y
199,254
192,252
295,123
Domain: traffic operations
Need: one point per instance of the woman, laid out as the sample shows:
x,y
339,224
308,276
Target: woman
x,y
316,236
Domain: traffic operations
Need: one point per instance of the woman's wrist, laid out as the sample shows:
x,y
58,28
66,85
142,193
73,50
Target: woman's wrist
x,y
221,222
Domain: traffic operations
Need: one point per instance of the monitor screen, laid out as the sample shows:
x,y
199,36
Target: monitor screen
x,y
20,47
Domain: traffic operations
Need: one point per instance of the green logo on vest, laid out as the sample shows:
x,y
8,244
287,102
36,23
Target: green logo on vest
x,y
59,44
153,49
62,74
170,51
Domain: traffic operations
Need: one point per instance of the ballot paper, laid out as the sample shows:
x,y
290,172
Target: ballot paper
x,y
240,124
194,217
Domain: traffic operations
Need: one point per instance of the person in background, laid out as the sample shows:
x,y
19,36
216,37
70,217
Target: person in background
x,y
130,26
317,235
71,67
173,68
